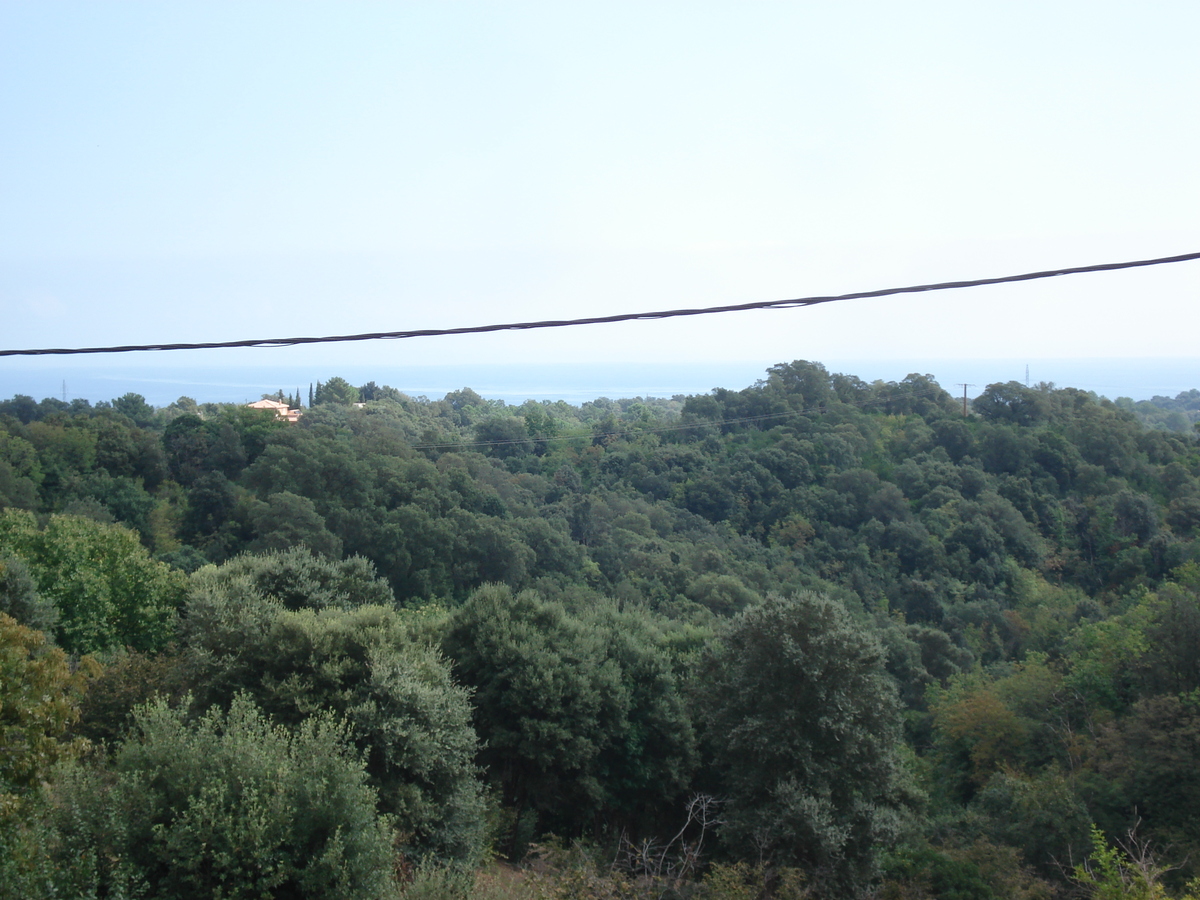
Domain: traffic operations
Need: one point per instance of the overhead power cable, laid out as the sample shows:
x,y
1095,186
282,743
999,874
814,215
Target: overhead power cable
x,y
601,320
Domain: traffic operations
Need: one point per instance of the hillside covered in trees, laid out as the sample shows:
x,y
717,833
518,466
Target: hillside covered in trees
x,y
817,637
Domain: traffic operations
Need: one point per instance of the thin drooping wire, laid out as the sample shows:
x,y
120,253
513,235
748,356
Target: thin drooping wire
x,y
600,320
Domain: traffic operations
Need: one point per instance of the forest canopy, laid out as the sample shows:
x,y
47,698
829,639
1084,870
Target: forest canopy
x,y
845,637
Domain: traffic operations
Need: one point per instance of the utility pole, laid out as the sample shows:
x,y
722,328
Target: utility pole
x,y
964,387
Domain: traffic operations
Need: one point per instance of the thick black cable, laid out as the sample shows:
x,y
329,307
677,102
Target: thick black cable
x,y
600,320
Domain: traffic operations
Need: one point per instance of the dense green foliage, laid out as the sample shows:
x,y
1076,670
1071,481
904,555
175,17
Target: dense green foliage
x,y
797,687
904,649
225,806
104,589
580,715
395,694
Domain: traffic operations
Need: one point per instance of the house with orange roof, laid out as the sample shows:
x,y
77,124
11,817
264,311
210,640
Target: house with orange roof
x,y
282,410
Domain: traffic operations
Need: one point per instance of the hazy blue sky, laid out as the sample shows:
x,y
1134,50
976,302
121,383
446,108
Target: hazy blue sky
x,y
176,171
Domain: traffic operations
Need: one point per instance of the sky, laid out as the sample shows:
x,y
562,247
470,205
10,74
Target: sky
x,y
211,171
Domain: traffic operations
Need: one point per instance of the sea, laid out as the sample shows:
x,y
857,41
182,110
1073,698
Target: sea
x,y
160,385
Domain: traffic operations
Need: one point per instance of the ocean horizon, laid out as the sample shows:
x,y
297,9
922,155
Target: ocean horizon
x,y
1138,379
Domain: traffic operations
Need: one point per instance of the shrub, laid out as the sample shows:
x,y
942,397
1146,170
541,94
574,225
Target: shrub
x,y
229,806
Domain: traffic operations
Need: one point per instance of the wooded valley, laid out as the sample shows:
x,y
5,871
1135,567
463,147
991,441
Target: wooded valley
x,y
814,638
